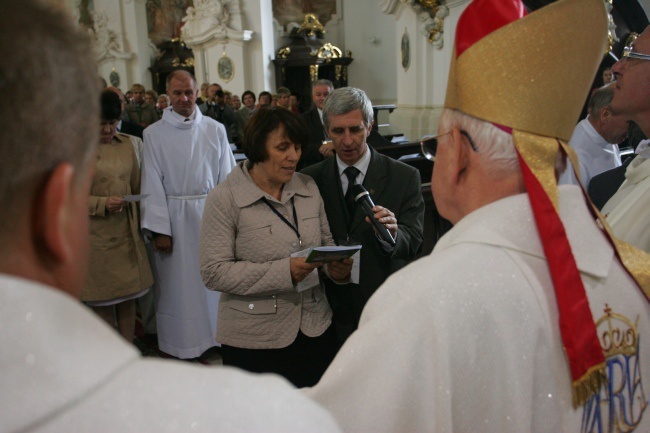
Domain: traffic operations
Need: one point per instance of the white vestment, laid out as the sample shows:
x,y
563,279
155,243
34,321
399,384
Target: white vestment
x,y
467,338
628,211
64,370
182,162
595,154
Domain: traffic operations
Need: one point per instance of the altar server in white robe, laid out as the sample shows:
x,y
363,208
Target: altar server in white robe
x,y
185,155
523,318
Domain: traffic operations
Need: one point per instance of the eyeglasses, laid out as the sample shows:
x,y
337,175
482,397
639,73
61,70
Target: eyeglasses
x,y
429,144
629,54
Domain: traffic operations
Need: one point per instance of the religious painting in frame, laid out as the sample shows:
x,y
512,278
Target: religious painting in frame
x,y
225,68
406,50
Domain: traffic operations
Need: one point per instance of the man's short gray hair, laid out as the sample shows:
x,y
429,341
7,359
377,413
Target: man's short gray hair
x,y
322,82
494,145
344,100
283,91
599,99
46,51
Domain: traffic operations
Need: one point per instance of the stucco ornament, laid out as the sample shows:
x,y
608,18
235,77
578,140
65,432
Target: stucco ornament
x,y
106,41
432,14
211,19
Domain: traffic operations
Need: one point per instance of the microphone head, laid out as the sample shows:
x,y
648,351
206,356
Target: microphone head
x,y
358,191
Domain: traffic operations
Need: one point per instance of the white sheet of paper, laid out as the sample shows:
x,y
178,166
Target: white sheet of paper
x,y
356,267
310,280
135,197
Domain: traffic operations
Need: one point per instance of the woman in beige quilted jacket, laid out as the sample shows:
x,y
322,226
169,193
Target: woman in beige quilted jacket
x,y
119,269
273,314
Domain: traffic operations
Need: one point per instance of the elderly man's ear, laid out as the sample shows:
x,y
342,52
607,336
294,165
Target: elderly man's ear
x,y
51,215
459,154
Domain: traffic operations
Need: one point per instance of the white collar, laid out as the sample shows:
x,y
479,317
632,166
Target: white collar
x,y
178,121
361,165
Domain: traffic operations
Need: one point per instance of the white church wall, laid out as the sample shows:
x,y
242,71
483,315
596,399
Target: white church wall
x,y
370,35
421,88
258,72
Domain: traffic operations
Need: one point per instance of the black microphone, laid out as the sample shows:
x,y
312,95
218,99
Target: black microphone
x,y
362,197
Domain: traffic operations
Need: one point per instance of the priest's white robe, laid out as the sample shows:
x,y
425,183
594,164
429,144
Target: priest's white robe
x,y
181,163
467,338
65,370
628,211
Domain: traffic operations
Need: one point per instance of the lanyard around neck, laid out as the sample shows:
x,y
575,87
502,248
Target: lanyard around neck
x,y
295,217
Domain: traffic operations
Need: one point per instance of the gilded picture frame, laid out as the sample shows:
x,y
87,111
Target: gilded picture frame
x,y
226,68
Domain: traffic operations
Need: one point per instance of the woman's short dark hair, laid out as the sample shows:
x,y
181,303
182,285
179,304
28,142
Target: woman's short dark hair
x,y
248,92
110,105
263,123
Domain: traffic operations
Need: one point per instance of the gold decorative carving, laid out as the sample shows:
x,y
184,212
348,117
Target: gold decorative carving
x,y
311,27
283,53
432,13
329,52
345,74
611,26
313,72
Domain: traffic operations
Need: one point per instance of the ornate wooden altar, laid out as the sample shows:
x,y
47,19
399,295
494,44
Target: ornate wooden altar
x,y
306,60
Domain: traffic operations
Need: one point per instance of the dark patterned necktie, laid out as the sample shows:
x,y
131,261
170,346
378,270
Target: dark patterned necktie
x,y
352,173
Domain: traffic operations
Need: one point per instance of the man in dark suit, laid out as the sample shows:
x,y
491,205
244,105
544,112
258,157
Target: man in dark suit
x,y
394,187
315,151
124,126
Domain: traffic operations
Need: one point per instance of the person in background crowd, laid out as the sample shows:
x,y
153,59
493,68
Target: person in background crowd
x,y
127,127
141,112
151,97
608,76
63,369
264,99
595,139
270,318
222,113
236,103
284,98
227,98
119,267
515,322
204,94
163,102
319,145
185,156
245,113
294,103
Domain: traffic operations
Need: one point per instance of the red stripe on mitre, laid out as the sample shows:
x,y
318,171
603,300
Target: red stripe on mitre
x,y
482,17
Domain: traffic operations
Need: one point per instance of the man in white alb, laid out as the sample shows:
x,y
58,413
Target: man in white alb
x,y
186,154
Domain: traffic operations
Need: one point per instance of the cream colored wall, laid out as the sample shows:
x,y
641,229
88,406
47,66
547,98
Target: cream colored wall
x,y
421,88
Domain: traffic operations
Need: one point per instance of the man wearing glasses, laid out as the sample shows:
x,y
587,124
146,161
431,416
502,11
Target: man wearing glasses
x,y
514,322
629,209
